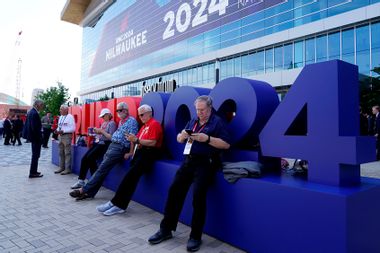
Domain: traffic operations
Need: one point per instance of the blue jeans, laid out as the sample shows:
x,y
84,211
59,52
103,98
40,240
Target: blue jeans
x,y
114,155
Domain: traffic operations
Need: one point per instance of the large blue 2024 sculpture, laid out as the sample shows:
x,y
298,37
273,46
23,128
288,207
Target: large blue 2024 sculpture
x,y
333,211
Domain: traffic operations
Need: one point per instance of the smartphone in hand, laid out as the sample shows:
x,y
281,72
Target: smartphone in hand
x,y
90,131
189,131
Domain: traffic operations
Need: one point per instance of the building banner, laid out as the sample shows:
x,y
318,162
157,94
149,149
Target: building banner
x,y
148,26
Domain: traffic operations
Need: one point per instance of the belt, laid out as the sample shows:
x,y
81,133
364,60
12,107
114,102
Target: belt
x,y
66,133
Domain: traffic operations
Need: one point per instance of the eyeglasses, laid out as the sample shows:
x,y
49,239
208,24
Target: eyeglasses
x,y
119,110
142,114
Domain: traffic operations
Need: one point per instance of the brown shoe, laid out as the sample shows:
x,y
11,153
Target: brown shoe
x,y
75,193
58,171
65,172
82,196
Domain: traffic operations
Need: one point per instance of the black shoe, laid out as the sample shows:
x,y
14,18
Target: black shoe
x,y
75,193
160,236
193,245
35,175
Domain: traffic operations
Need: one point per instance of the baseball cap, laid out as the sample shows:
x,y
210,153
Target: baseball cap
x,y
104,111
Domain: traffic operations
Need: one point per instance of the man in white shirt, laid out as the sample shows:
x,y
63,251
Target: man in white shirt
x,y
65,130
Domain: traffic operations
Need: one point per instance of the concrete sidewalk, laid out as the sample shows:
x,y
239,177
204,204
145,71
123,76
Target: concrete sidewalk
x,y
37,215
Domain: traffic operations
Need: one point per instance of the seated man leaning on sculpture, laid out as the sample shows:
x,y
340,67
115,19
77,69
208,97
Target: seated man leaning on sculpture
x,y
147,149
119,149
205,138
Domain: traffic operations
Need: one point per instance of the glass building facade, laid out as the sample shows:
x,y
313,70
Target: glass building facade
x,y
256,45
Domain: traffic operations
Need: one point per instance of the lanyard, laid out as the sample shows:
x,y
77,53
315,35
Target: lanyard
x,y
60,123
200,129
143,131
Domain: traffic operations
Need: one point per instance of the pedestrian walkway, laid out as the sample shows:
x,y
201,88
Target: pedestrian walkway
x,y
38,215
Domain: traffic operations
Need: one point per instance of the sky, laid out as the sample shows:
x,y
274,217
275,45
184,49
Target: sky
x,y
49,49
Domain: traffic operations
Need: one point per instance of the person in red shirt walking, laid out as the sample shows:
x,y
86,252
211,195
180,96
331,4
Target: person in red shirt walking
x,y
147,143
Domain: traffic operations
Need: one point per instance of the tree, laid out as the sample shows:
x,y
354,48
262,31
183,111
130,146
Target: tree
x,y
53,98
105,98
370,91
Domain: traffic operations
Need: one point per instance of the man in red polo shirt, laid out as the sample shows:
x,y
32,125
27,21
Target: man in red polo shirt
x,y
147,143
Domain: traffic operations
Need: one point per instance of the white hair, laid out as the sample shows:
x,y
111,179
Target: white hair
x,y
145,107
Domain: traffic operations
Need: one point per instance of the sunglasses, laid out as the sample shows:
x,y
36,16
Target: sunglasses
x,y
119,110
142,114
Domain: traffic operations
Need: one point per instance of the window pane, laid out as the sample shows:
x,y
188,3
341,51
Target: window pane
x,y
306,11
211,72
269,60
260,62
230,34
278,58
247,65
199,77
288,56
348,46
223,69
334,46
189,76
237,63
194,75
310,51
230,67
180,80
362,49
321,48
298,54
375,30
205,73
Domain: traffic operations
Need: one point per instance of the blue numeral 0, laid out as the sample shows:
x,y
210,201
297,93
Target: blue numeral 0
x,y
328,93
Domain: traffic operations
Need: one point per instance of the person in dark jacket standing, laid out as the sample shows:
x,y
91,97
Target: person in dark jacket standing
x,y
18,125
33,134
7,131
376,128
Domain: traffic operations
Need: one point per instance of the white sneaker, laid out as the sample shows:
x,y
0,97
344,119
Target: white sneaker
x,y
78,184
113,210
104,207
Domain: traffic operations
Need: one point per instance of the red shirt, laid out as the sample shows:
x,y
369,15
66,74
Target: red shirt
x,y
151,130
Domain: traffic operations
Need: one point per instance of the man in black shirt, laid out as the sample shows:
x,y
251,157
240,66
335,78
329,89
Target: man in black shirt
x,y
205,137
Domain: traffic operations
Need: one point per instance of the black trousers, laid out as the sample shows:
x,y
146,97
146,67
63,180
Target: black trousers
x,y
46,135
89,160
196,171
8,137
36,152
16,137
141,163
